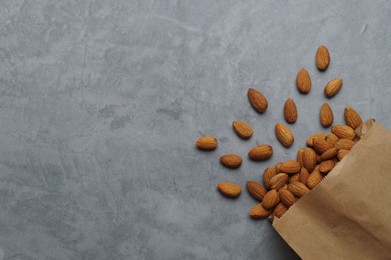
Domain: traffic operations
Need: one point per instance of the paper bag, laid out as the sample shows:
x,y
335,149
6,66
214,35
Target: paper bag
x,y
348,215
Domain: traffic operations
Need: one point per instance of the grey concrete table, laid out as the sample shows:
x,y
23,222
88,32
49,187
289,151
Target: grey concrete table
x,y
101,102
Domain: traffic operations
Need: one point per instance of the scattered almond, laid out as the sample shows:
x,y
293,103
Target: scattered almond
x,y
341,154
326,166
287,197
290,111
229,189
322,58
257,100
256,189
352,118
304,174
344,144
278,167
231,160
298,189
261,152
299,156
331,138
321,145
259,212
343,132
303,81
290,167
280,210
310,140
278,181
310,158
242,129
326,115
294,178
329,154
284,135
333,87
271,199
315,178
268,174
206,143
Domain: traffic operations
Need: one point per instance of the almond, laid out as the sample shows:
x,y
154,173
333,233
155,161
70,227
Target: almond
x,y
309,159
290,111
299,156
258,212
268,174
278,167
242,129
315,178
352,118
322,58
271,199
284,135
294,178
333,87
343,132
231,160
261,152
290,167
298,189
278,181
303,81
331,138
344,144
229,189
342,153
286,197
256,190
304,174
257,100
326,115
310,140
321,145
206,143
329,154
326,166
280,210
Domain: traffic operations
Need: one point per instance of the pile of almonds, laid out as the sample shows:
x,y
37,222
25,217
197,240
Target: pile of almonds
x,y
288,181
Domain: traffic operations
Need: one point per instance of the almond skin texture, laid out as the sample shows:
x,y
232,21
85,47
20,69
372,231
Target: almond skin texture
x,y
256,190
257,100
304,174
329,154
286,197
344,144
321,145
342,153
278,167
268,174
259,212
290,111
303,81
315,178
278,181
331,138
326,166
290,167
229,189
280,210
310,140
326,115
294,178
298,189
343,132
206,143
284,135
352,118
333,87
299,156
231,160
261,152
310,158
322,58
242,129
270,200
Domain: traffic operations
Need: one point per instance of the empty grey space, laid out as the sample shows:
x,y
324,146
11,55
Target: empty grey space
x,y
101,103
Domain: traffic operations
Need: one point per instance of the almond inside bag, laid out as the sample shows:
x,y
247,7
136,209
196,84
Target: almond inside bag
x,y
348,215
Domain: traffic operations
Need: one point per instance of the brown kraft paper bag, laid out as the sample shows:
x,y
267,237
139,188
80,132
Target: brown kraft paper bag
x,y
348,215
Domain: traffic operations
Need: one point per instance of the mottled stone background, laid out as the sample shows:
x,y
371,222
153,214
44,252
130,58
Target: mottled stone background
x,y
101,102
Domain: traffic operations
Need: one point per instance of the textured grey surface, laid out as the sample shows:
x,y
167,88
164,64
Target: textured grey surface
x,y
101,101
